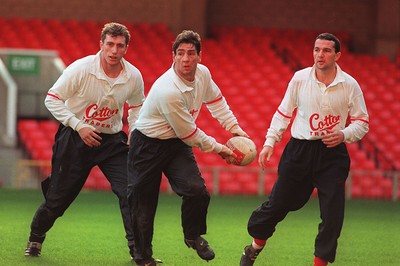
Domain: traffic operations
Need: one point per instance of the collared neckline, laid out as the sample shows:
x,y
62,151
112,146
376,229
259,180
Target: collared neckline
x,y
338,78
182,85
98,71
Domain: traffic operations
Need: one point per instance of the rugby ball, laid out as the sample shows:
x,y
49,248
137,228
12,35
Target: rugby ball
x,y
244,148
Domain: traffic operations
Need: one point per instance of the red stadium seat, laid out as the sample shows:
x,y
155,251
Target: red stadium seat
x,y
49,128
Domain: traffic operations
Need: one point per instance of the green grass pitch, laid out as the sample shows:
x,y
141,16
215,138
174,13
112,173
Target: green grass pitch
x,y
91,233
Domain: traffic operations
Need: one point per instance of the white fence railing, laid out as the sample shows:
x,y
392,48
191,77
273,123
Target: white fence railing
x,y
262,175
25,167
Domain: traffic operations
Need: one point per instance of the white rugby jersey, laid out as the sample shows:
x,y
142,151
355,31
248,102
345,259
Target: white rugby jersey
x,y
83,93
320,108
173,105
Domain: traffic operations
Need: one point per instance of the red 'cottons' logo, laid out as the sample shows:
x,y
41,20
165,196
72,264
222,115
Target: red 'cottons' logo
x,y
317,123
104,113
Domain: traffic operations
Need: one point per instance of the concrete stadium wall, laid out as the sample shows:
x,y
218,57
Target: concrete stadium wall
x,y
374,24
177,14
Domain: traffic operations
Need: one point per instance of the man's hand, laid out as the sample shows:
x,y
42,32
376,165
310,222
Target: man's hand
x,y
227,154
333,138
90,137
265,156
237,131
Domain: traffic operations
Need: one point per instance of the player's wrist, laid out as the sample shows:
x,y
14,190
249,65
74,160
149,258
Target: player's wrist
x,y
81,125
269,142
217,148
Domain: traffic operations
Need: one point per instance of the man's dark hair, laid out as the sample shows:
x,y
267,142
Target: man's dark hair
x,y
115,29
330,37
187,36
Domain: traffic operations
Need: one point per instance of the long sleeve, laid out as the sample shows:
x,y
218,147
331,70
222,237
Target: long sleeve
x,y
281,119
135,102
220,110
359,119
63,89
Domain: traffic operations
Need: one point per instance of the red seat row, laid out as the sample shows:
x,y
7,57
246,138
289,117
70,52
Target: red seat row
x,y
253,83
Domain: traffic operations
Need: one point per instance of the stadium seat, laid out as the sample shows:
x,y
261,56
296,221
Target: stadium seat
x,y
49,128
27,125
39,148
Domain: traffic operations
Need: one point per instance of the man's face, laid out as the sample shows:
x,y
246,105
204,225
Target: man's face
x,y
325,56
186,60
113,49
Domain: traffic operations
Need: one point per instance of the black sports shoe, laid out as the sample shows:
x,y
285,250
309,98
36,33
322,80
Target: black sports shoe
x,y
33,249
201,246
132,252
249,256
149,262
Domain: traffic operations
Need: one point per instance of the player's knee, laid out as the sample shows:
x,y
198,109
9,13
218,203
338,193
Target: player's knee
x,y
199,190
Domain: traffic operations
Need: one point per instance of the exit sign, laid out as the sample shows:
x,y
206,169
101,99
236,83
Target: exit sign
x,y
24,64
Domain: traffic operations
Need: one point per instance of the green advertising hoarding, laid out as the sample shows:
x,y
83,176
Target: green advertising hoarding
x,y
24,64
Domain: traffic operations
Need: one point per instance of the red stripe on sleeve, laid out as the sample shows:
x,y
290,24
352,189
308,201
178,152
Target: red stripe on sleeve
x,y
216,100
194,132
282,114
54,96
362,120
232,127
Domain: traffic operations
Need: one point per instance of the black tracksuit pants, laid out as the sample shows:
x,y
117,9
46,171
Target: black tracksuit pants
x,y
148,158
72,162
306,165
